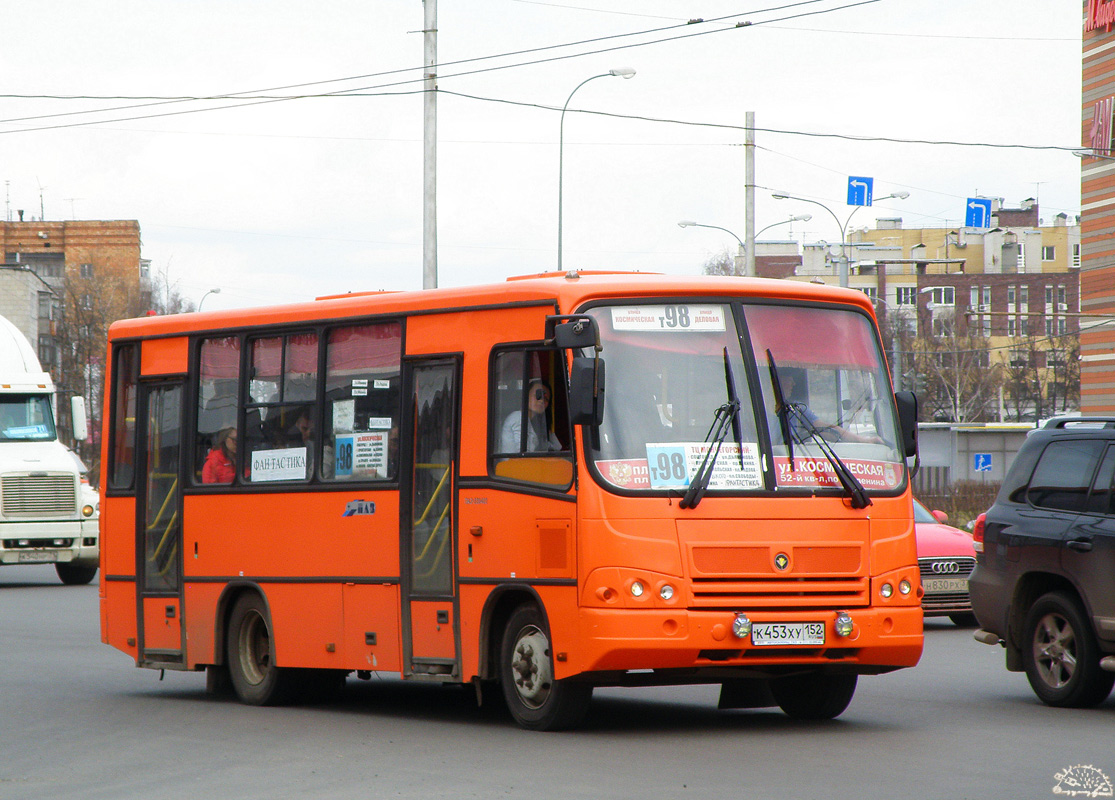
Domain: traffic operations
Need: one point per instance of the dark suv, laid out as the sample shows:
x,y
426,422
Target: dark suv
x,y
1044,583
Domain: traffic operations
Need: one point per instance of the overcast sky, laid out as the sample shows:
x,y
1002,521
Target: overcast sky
x,y
282,201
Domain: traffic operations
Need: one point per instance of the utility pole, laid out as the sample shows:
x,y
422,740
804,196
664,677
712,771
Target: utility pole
x,y
429,148
749,196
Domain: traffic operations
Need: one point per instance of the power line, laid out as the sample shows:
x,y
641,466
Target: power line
x,y
257,99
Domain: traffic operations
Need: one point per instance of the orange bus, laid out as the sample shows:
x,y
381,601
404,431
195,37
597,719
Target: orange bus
x,y
564,481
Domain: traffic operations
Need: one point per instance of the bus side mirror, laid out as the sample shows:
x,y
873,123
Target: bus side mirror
x,y
78,421
586,391
572,331
907,403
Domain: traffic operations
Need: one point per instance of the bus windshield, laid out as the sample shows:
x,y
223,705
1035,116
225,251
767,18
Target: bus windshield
x,y
672,367
25,418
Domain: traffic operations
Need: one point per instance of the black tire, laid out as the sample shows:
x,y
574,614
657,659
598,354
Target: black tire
x,y
258,681
1060,654
815,695
964,620
75,574
526,669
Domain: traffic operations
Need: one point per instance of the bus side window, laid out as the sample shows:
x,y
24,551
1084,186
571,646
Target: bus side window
x,y
217,399
529,437
121,471
362,400
281,420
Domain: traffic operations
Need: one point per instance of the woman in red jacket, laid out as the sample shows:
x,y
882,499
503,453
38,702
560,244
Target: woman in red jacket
x,y
220,464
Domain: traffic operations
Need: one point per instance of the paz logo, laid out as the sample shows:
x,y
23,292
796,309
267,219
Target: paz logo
x,y
782,561
356,507
1083,781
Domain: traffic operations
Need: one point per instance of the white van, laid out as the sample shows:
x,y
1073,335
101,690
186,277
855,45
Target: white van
x,y
48,511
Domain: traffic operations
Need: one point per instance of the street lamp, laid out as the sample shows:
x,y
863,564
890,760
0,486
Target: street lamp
x,y
685,223
843,226
621,72
216,290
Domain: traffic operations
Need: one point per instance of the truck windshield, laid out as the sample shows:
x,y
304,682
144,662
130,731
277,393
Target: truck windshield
x,y
668,368
25,418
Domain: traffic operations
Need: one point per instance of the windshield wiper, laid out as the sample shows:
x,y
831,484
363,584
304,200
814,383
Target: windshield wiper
x,y
781,408
733,401
851,484
717,432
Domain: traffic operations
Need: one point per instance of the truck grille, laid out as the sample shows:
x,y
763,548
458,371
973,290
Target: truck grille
x,y
38,495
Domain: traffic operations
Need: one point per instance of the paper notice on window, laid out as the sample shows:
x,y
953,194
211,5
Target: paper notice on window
x,y
369,454
344,416
288,464
672,465
669,319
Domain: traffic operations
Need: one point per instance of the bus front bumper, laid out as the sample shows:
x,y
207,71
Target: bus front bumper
x,y
881,639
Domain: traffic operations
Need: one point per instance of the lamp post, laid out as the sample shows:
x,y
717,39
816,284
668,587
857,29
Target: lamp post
x,y
842,225
685,223
621,72
216,290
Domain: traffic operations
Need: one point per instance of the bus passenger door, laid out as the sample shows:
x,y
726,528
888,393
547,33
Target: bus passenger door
x,y
431,633
159,525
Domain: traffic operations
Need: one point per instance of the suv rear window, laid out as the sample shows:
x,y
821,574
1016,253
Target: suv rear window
x,y
1064,473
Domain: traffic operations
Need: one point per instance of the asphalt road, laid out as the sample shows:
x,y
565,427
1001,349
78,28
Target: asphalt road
x,y
77,720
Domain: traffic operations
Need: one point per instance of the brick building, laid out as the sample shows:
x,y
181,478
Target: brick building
x,y
41,259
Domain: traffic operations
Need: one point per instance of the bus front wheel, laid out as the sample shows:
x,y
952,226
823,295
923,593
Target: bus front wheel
x,y
251,655
536,700
814,695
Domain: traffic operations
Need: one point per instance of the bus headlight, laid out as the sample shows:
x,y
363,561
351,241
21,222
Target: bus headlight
x,y
637,589
666,592
87,510
741,626
904,587
886,590
843,624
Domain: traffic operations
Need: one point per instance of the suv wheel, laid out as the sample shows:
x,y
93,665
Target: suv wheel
x,y
1060,654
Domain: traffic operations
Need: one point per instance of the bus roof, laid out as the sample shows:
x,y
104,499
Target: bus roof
x,y
567,290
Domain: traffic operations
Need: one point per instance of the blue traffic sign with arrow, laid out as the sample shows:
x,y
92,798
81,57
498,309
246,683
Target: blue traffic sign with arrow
x,y
977,214
859,190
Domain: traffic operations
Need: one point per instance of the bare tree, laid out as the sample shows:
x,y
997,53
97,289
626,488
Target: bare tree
x,y
959,380
720,264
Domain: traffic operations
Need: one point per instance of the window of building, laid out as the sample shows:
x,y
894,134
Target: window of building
x,y
870,291
1062,326
1076,255
944,296
362,402
1049,252
1012,295
906,296
1049,326
1062,298
1012,326
46,350
45,305
529,436
87,270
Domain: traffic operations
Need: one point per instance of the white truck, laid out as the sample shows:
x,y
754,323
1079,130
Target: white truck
x,y
49,513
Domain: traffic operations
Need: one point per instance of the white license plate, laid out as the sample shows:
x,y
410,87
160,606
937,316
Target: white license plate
x,y
942,585
37,557
775,633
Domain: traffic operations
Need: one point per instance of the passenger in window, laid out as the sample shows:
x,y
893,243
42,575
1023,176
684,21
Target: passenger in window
x,y
828,430
305,428
219,465
540,437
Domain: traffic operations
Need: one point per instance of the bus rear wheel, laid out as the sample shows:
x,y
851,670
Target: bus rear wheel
x,y
74,574
814,695
251,655
536,700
